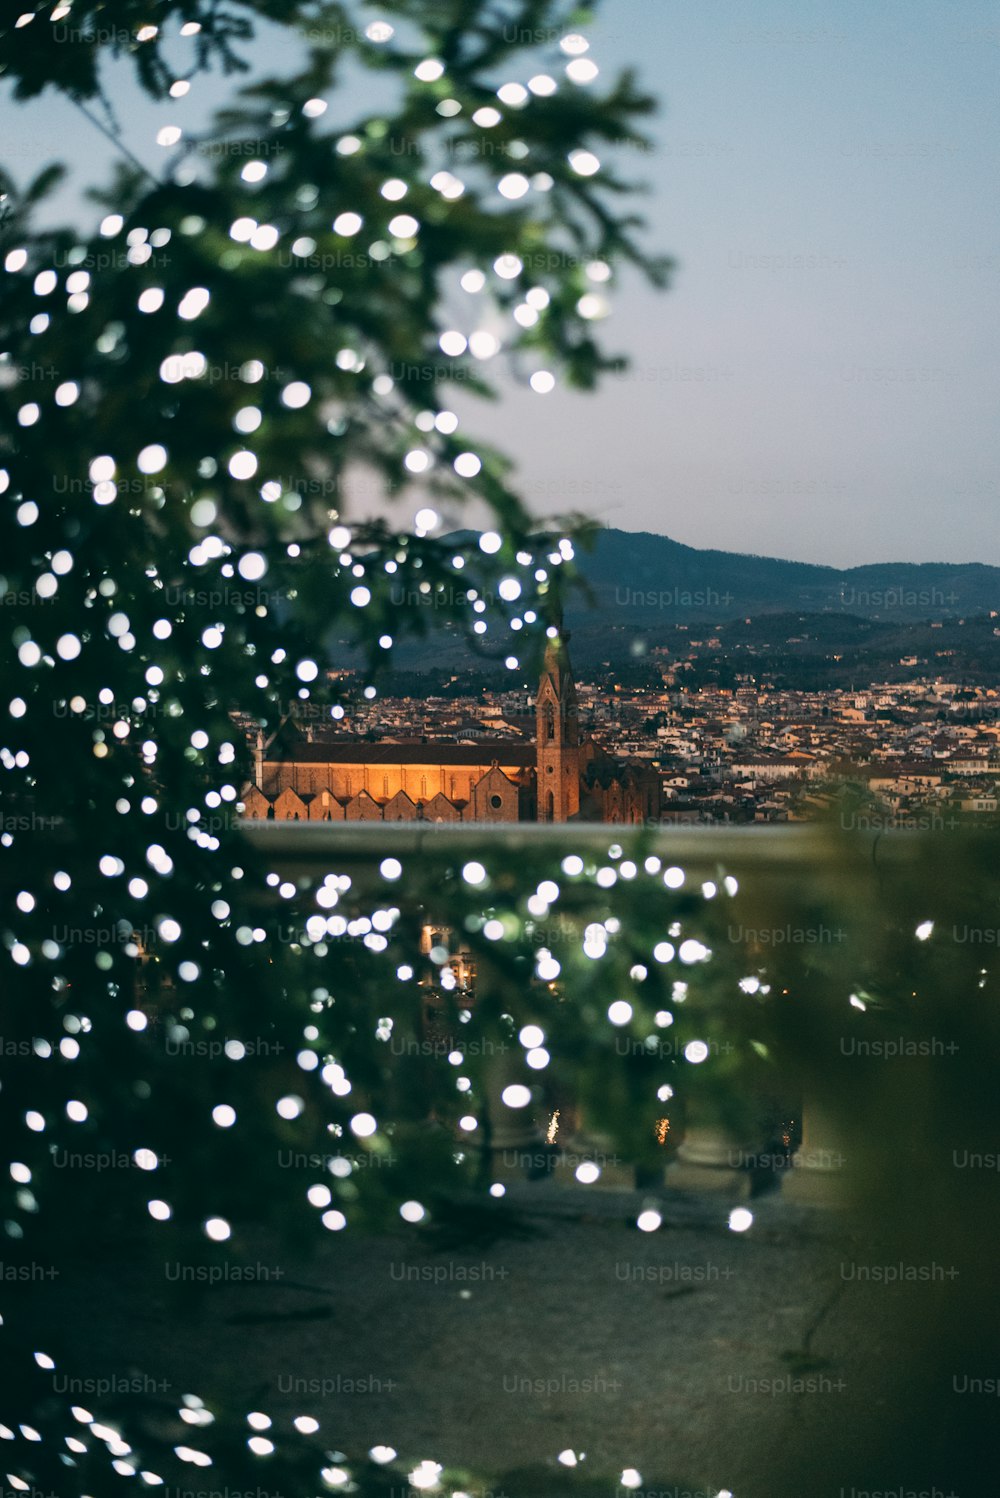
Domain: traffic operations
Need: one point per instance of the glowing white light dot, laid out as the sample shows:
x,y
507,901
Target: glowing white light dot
x,y
252,566
581,70
426,1475
429,70
508,266
296,394
243,465
514,185
152,458
584,163
193,303
740,1219
592,306
483,345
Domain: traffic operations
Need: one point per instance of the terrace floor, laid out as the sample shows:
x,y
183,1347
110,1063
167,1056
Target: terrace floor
x,y
705,1359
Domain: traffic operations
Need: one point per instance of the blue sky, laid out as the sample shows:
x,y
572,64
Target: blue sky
x,y
819,383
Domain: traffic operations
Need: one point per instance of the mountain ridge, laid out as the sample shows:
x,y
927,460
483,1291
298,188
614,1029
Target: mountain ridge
x,y
632,574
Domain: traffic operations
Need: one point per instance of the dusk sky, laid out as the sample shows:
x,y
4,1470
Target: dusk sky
x,y
820,381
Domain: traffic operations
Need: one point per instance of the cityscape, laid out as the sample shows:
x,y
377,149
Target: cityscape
x,y
919,752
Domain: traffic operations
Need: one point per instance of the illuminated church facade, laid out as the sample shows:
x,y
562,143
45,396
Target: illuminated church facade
x,y
558,778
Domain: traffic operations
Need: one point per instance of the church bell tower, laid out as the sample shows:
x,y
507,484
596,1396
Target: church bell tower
x,y
557,736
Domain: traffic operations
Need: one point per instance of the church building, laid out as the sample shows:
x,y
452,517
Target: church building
x,y
558,778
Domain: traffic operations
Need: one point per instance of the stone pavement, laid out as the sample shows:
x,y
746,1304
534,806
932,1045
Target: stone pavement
x,y
705,1359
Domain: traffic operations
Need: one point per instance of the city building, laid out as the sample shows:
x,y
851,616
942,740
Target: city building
x,y
560,777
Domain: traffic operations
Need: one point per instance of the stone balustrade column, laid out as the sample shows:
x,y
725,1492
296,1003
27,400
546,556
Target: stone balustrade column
x,y
817,1176
712,1156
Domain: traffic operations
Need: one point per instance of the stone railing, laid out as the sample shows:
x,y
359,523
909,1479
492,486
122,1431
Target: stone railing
x,y
779,862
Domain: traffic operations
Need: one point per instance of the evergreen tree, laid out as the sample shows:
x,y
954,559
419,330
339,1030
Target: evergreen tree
x,y
193,399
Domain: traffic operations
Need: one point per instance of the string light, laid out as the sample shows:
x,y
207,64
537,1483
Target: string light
x,y
188,933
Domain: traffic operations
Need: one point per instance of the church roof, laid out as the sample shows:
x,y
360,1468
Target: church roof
x,y
504,751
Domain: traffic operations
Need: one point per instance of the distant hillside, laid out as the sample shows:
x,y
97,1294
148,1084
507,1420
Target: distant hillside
x,y
643,587
641,579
